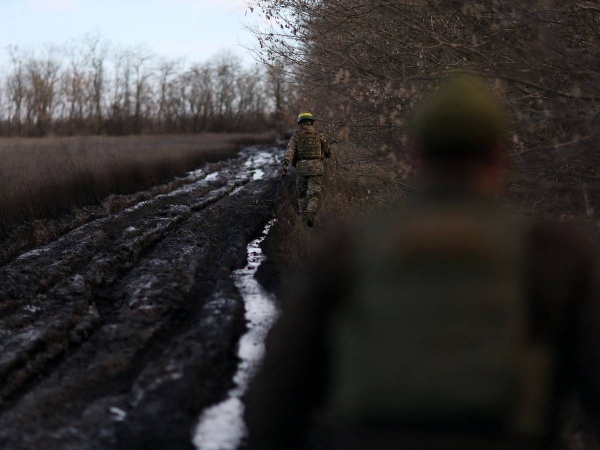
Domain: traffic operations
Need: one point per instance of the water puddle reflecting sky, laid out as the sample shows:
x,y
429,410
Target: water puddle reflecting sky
x,y
221,427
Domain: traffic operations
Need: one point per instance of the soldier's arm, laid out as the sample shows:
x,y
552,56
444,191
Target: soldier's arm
x,y
325,146
290,151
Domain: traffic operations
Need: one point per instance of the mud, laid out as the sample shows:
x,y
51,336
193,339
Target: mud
x,y
121,332
222,427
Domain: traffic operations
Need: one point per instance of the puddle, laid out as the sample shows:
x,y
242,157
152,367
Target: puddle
x,y
32,309
258,161
221,427
32,253
195,174
192,185
117,414
213,176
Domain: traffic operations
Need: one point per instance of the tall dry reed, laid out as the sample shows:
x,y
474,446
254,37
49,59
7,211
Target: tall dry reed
x,y
44,178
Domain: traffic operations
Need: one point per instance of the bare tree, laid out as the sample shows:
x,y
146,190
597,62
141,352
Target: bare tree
x,y
197,89
364,63
74,89
97,88
15,86
167,71
96,52
251,105
225,69
280,90
41,77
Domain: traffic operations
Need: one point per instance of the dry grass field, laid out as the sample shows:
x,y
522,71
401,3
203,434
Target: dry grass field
x,y
50,185
43,178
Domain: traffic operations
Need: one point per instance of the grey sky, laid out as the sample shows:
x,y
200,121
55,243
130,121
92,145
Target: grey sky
x,y
196,29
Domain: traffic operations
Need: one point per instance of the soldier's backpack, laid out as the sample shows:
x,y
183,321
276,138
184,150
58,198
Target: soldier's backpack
x,y
436,331
308,144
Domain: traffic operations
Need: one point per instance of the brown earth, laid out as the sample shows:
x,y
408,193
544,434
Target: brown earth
x,y
119,333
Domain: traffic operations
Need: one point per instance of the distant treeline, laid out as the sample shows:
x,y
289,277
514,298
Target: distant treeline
x,y
91,87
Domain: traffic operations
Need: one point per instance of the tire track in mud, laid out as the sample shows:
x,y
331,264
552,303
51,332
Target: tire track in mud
x,y
118,333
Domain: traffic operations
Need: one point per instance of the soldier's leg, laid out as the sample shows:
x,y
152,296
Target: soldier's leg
x,y
301,192
313,195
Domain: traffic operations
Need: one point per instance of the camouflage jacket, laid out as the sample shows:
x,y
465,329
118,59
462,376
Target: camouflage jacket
x,y
306,151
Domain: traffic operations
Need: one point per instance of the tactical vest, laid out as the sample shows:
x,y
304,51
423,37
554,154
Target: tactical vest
x,y
436,332
308,145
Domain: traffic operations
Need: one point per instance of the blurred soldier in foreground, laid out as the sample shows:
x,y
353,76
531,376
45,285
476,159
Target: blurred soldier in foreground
x,y
306,151
446,323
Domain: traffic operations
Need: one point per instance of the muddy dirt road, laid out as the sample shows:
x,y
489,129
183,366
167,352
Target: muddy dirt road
x,y
120,333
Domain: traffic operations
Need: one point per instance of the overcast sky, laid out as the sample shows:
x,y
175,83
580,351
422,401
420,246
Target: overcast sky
x,y
196,29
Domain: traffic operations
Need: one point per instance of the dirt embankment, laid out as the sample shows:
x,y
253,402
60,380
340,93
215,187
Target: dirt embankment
x,y
119,333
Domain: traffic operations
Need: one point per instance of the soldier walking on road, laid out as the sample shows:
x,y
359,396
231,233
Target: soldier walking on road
x,y
306,151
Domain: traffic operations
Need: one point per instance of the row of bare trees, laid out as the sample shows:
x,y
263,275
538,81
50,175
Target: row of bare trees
x,y
92,87
362,65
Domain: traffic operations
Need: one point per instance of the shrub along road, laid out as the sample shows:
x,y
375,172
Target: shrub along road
x,y
119,333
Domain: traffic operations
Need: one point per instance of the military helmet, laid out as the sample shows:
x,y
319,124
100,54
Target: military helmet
x,y
305,117
462,121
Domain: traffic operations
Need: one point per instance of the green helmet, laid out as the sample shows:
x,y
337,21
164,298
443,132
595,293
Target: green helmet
x,y
305,117
463,120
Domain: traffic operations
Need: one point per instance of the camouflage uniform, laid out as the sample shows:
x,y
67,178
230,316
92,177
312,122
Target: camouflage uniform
x,y
306,151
